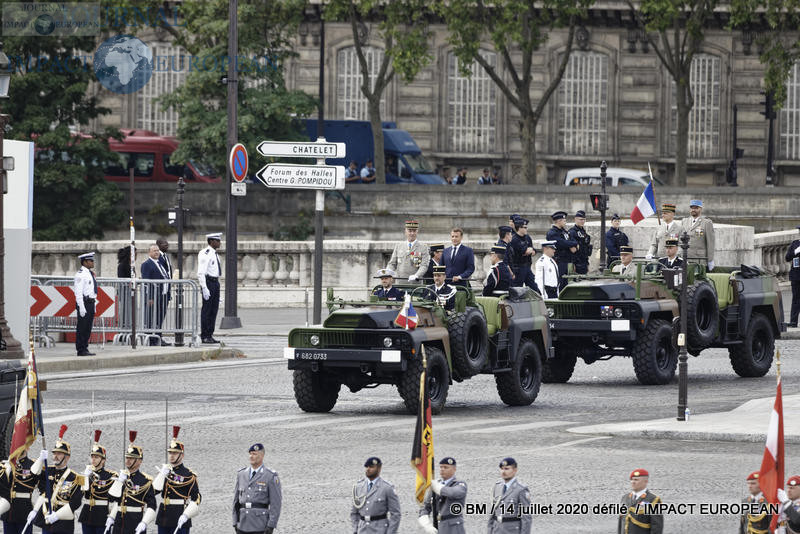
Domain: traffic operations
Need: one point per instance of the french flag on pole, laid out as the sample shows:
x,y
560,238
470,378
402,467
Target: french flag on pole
x,y
407,318
645,206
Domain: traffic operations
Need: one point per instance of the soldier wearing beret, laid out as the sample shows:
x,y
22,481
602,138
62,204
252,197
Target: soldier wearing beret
x,y
790,506
56,515
579,234
134,507
793,256
179,490
615,238
444,291
701,233
565,247
376,508
410,257
435,250
636,520
257,496
499,277
671,260
668,228
387,291
16,489
96,485
754,523
522,253
449,491
510,500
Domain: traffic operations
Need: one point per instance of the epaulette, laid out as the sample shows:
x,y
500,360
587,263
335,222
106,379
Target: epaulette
x,y
207,250
148,477
271,471
192,472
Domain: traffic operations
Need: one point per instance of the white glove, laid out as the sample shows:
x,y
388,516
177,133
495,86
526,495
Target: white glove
x,y
182,521
141,527
648,256
782,497
165,469
797,250
88,471
412,278
51,518
430,529
424,521
123,476
43,455
206,293
436,486
31,515
711,266
82,312
109,522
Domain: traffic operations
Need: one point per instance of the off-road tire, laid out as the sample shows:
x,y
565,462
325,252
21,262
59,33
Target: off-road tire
x,y
702,314
469,342
655,358
5,437
520,386
315,392
559,370
753,357
438,381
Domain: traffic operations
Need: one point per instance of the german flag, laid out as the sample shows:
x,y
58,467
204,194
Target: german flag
x,y
422,450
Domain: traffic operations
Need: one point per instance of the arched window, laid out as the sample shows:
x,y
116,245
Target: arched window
x,y
704,118
351,102
790,117
170,65
471,107
583,104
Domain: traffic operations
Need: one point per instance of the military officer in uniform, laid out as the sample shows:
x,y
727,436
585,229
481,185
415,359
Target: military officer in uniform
x,y
97,483
522,252
510,499
499,277
445,292
410,258
208,273
793,256
448,491
579,234
565,247
134,506
754,523
790,506
376,508
435,250
180,492
85,288
547,275
671,260
669,227
16,489
615,238
626,268
701,233
257,496
57,515
387,291
634,522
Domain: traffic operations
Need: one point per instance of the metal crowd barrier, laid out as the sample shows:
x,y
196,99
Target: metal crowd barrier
x,y
158,313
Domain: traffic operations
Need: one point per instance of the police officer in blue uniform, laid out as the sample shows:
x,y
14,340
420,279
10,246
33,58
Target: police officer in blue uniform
x,y
522,255
793,256
565,247
615,238
499,277
387,291
579,234
505,235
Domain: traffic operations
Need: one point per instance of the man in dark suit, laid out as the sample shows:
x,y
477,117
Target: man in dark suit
x,y
459,260
156,295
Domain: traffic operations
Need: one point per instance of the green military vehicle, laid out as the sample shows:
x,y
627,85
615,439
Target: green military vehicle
x,y
596,318
360,346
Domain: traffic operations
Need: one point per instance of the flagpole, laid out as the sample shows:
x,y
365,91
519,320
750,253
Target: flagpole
x,y
652,182
48,491
778,364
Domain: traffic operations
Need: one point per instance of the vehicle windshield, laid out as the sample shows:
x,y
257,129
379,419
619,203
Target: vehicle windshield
x,y
418,164
204,169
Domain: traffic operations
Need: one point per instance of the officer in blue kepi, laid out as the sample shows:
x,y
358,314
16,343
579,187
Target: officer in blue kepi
x,y
579,234
499,277
450,494
376,508
615,238
793,256
257,497
522,255
565,247
387,291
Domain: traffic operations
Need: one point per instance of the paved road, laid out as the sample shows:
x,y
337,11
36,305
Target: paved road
x,y
223,407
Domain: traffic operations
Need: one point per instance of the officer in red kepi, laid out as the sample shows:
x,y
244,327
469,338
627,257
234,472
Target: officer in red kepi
x,y
637,520
95,488
180,493
754,523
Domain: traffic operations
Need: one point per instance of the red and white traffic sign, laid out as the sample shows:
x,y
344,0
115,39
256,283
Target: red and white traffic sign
x,y
238,162
59,301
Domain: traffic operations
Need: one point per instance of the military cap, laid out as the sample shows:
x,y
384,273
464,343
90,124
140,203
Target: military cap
x,y
61,445
753,476
508,462
696,202
133,451
86,256
439,269
175,445
549,244
498,249
521,221
215,235
639,473
625,249
412,224
615,217
436,247
668,207
97,449
671,242
255,447
505,229
514,216
447,460
580,213
559,215
372,460
793,481
382,273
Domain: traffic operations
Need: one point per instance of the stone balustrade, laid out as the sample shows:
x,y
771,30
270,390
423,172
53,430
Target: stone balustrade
x,y
771,249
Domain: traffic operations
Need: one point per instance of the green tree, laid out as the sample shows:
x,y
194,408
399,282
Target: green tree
x,y
514,27
404,32
674,28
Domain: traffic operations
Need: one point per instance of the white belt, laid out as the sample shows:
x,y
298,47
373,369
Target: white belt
x,y
179,503
125,509
101,503
17,495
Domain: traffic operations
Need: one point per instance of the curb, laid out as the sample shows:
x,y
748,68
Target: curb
x,y
74,363
684,435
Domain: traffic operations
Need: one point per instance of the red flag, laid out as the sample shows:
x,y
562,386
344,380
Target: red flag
x,y
28,416
771,475
422,450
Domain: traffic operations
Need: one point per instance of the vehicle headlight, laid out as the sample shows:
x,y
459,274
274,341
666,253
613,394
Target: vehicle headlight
x,y
387,342
551,312
618,312
314,339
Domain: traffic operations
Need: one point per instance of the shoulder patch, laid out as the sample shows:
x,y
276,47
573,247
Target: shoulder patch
x,y
207,251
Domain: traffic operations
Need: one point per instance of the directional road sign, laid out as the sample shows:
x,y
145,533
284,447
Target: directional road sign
x,y
288,176
238,162
322,149
59,301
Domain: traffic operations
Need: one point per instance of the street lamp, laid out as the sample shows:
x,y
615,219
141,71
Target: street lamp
x,y
13,347
683,377
179,220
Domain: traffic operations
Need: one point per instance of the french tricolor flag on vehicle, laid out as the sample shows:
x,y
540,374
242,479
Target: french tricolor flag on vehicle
x,y
407,318
645,206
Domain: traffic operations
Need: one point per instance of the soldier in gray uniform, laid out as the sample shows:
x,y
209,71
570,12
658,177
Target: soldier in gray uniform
x,y
410,258
376,508
701,233
510,502
257,497
451,494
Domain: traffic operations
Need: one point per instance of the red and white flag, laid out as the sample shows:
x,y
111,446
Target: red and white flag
x,y
771,475
28,419
645,206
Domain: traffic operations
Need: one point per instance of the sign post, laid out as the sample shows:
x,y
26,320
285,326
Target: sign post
x,y
320,177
